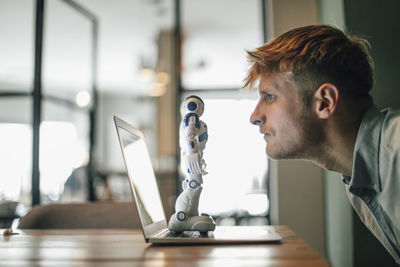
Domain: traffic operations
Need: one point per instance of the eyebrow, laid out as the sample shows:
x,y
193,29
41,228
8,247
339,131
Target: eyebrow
x,y
267,88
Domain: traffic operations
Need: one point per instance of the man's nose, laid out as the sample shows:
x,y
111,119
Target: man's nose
x,y
256,118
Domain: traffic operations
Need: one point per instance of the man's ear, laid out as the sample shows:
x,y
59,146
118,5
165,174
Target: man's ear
x,y
326,100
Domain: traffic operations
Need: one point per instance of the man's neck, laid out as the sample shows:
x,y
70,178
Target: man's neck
x,y
339,155
338,151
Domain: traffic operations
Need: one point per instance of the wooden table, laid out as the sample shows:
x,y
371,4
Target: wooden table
x,y
127,248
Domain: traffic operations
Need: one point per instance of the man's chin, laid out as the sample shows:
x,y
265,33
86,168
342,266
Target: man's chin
x,y
276,154
285,154
272,154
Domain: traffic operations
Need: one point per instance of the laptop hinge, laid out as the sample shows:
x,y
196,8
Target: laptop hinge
x,y
161,233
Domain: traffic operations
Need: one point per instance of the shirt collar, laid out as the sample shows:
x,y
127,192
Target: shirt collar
x,y
365,172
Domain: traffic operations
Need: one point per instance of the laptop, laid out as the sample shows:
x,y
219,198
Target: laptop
x,y
150,208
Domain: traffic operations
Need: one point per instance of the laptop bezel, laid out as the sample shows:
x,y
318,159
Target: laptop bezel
x,y
155,227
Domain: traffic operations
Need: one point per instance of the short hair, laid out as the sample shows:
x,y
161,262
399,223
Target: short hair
x,y
316,54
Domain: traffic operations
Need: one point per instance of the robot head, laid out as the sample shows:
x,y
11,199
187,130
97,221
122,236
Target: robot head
x,y
192,104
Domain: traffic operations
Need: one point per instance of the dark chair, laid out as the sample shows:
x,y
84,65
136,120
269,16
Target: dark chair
x,y
107,215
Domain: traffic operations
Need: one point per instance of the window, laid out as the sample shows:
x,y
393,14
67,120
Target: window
x,y
236,161
61,152
214,45
214,66
16,160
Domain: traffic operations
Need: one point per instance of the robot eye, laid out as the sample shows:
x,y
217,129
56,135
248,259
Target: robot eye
x,y
192,106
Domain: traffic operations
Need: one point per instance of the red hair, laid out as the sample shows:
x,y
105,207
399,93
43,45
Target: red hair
x,y
314,55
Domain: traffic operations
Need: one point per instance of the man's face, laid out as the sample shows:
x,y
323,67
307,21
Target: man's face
x,y
288,127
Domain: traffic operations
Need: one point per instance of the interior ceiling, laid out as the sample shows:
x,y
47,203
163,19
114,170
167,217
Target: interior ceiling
x,y
128,31
127,36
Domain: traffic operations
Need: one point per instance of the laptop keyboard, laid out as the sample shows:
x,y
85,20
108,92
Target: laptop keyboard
x,y
191,234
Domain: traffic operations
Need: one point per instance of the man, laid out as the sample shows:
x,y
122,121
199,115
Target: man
x,y
314,85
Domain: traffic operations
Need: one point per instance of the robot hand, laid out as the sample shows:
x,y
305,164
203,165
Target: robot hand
x,y
203,167
195,165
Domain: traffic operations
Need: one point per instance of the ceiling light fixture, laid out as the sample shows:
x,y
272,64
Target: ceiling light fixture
x,y
83,99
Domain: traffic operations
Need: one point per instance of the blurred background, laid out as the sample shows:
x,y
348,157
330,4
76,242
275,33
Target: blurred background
x,y
68,66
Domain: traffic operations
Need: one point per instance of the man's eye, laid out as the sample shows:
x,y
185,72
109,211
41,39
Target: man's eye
x,y
269,97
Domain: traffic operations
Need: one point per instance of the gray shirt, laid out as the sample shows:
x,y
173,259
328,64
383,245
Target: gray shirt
x,y
374,188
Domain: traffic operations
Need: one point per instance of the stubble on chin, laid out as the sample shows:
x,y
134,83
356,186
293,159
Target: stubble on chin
x,y
281,154
308,142
277,153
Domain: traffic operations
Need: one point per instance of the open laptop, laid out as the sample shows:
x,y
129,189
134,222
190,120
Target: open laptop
x,y
150,209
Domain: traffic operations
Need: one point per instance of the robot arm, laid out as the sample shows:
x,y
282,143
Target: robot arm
x,y
192,140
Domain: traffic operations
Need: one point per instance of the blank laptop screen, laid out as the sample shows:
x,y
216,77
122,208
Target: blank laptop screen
x,y
141,176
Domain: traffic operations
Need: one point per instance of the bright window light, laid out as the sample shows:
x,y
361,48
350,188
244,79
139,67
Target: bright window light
x,y
59,152
254,203
15,159
235,158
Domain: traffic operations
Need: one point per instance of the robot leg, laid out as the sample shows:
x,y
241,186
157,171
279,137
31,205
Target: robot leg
x,y
187,216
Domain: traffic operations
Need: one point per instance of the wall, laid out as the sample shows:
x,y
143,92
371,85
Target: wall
x,y
299,183
289,14
338,222
377,22
338,210
349,243
300,201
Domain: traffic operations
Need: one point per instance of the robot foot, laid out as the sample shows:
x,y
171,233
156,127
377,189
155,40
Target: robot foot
x,y
202,223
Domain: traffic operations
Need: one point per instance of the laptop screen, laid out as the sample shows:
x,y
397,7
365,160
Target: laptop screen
x,y
141,176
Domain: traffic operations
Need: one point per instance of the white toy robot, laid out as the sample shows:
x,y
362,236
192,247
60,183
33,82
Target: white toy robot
x,y
192,140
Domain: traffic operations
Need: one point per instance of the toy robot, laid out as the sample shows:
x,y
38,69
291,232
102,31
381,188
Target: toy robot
x,y
192,140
